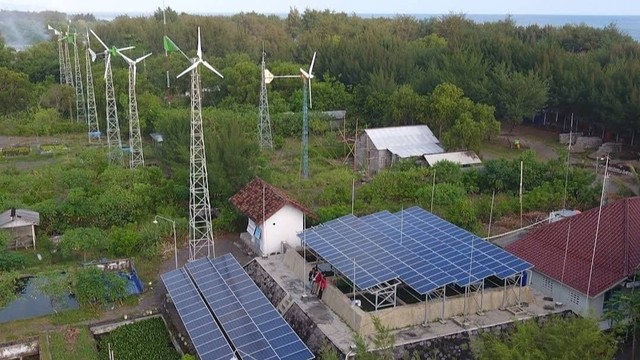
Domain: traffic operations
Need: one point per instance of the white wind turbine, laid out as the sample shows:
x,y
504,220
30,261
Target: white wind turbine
x,y
135,139
200,230
306,76
113,125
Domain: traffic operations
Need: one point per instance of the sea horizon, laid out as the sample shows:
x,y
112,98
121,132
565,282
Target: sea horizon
x,y
627,24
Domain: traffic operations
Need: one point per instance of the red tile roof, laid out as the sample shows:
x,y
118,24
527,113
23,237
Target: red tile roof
x,y
259,198
617,253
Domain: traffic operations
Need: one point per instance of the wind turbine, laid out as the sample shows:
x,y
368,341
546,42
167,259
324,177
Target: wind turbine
x,y
200,231
92,114
81,109
306,76
63,71
113,125
68,76
135,140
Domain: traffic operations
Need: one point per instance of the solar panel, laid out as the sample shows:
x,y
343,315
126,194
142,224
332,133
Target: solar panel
x,y
275,329
202,328
427,254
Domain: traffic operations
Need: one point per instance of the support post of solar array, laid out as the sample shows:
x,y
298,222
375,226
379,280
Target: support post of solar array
x,y
521,176
493,199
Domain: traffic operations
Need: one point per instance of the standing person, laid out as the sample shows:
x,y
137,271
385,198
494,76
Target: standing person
x,y
323,285
316,282
312,276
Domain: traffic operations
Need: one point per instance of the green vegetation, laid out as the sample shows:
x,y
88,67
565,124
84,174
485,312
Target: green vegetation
x,y
72,344
143,340
556,338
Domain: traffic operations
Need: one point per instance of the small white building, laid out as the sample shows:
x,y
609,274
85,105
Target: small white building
x,y
377,149
567,268
21,225
274,218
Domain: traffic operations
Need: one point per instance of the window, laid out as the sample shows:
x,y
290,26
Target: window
x,y
574,298
548,284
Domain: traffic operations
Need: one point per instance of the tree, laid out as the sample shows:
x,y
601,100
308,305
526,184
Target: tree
x,y
82,240
15,91
575,338
407,107
383,342
623,311
442,105
95,287
55,285
518,94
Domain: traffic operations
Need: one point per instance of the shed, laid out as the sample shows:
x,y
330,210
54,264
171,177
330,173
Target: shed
x,y
20,224
462,158
377,149
274,217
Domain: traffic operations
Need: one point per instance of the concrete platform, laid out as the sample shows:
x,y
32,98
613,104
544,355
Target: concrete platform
x,y
326,320
341,335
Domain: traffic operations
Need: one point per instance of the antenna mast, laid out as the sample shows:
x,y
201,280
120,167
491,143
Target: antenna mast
x,y
264,119
81,109
92,114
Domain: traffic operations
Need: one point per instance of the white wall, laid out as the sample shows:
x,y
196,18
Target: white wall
x,y
284,225
571,299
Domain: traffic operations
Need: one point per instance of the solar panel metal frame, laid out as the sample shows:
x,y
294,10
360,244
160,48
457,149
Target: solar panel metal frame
x,y
196,317
288,344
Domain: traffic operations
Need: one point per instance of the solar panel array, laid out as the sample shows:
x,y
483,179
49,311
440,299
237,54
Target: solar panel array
x,y
415,246
202,328
250,322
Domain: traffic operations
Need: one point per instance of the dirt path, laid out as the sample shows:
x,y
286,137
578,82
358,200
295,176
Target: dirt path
x,y
543,142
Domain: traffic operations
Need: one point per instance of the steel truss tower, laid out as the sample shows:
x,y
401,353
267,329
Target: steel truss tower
x,y
264,120
305,132
113,125
63,70
200,230
135,139
81,109
92,115
68,70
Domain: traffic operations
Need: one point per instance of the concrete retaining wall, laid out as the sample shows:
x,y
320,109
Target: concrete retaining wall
x,y
306,329
265,282
19,349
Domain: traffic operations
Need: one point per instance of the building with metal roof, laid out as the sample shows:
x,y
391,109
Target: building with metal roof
x,y
462,158
377,149
412,258
20,224
580,263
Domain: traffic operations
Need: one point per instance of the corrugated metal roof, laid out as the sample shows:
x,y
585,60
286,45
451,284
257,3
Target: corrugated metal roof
x,y
22,214
336,114
405,141
462,158
157,137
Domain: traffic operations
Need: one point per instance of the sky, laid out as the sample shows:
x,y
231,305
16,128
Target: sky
x,y
513,7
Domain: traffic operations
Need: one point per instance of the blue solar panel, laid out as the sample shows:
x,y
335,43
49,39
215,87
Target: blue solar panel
x,y
419,248
234,319
203,330
275,329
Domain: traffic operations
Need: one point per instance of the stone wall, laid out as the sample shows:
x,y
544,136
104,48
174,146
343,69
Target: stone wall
x,y
459,345
306,329
265,282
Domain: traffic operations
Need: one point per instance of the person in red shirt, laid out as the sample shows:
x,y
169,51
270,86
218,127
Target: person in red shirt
x,y
316,282
323,285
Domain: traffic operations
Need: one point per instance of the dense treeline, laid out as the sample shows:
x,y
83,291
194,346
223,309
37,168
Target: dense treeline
x,y
381,69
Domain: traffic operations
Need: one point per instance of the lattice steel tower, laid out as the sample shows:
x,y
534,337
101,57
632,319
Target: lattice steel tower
x,y
264,119
135,139
92,115
81,106
113,125
68,73
63,71
200,230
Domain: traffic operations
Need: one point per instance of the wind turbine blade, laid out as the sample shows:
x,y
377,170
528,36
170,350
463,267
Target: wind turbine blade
x,y
135,74
212,69
49,27
143,57
129,61
93,55
190,68
199,45
127,48
305,74
107,63
268,76
313,60
310,102
99,40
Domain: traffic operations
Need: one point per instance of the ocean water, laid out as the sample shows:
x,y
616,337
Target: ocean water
x,y
629,25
